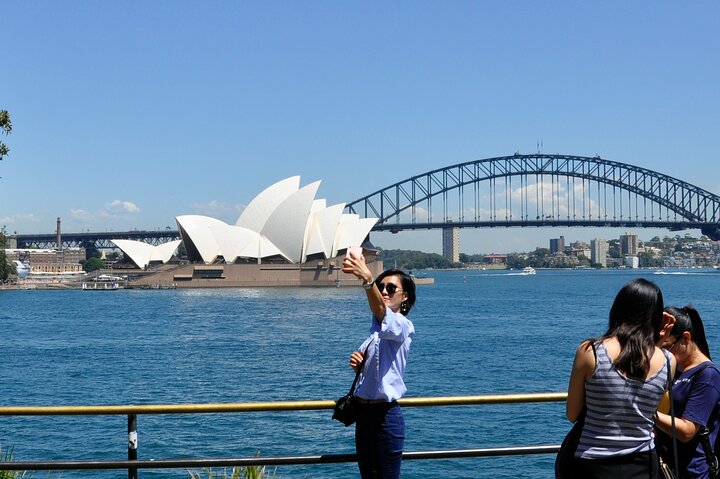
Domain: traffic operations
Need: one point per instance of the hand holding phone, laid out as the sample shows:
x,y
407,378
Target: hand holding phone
x,y
354,252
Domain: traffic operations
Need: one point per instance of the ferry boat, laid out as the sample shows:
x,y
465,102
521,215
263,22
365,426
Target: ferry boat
x,y
101,286
422,279
528,270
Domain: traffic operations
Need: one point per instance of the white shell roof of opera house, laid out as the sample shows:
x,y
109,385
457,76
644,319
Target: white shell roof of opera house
x,y
283,220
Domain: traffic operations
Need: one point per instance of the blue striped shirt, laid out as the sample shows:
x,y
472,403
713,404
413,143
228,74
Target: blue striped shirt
x,y
382,375
619,418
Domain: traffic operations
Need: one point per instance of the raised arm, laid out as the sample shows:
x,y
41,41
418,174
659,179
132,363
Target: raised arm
x,y
357,267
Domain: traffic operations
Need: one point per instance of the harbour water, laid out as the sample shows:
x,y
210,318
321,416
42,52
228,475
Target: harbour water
x,y
478,332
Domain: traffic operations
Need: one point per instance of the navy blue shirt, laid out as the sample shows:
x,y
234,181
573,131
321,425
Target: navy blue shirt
x,y
695,395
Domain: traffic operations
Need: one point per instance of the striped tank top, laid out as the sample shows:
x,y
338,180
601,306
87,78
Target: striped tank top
x,y
619,418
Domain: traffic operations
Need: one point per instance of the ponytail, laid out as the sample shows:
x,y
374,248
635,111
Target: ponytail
x,y
698,330
688,319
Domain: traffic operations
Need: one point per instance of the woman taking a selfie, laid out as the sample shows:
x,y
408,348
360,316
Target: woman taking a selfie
x,y
618,379
695,395
380,428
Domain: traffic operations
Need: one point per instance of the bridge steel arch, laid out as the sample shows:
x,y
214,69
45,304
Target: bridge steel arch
x,y
548,190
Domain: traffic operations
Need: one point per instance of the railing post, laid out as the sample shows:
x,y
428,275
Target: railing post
x,y
132,444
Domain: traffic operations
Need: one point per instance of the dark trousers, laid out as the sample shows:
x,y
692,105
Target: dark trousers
x,y
379,439
641,465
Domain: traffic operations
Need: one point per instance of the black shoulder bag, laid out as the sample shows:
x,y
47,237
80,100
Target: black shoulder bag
x,y
346,408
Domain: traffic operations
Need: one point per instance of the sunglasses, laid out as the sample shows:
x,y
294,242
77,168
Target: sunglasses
x,y
669,347
390,288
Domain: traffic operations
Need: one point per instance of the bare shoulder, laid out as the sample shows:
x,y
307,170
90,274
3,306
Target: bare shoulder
x,y
585,357
658,361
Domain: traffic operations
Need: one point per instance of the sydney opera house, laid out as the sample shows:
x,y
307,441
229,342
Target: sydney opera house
x,y
284,237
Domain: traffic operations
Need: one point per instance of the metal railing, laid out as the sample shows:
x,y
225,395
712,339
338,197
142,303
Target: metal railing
x,y
132,464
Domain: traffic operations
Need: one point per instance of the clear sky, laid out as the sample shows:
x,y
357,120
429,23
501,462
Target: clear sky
x,y
127,114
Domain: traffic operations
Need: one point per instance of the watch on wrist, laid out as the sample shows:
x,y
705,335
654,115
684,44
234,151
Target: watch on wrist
x,y
368,285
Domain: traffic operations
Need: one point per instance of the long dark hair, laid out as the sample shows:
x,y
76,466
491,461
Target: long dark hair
x,y
408,286
635,319
687,318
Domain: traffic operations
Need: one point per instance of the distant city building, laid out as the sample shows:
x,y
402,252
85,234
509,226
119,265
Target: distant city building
x,y
632,262
629,244
49,261
451,244
598,252
495,258
557,245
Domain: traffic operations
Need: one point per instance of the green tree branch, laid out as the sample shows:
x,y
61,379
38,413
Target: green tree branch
x,y
6,128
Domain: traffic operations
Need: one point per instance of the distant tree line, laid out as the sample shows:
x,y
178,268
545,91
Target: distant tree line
x,y
6,268
407,260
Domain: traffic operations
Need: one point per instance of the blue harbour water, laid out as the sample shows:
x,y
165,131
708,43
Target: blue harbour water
x,y
478,332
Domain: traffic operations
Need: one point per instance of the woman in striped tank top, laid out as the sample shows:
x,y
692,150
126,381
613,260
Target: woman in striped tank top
x,y
617,380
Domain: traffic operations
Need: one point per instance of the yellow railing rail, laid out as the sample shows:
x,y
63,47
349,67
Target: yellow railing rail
x,y
132,464
266,406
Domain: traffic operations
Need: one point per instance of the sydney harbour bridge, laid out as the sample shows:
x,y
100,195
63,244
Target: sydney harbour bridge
x,y
536,190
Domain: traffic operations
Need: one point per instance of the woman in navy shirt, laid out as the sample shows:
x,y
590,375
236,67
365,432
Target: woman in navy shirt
x,y
695,395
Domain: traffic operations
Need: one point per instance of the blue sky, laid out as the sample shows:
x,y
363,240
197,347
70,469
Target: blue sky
x,y
127,114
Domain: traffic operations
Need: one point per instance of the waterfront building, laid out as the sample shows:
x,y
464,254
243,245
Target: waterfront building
x,y
283,237
495,259
598,252
451,244
283,224
557,245
629,245
49,261
632,262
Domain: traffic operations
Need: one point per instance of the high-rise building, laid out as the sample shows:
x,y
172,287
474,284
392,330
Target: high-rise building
x,y
629,245
598,252
557,245
451,244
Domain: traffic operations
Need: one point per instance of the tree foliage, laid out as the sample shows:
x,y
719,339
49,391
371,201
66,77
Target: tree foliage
x,y
92,264
4,265
5,128
409,260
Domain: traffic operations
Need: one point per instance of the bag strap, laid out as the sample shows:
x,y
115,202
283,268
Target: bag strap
x,y
704,432
360,367
712,460
672,411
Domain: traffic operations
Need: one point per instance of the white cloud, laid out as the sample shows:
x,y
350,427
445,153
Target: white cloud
x,y
80,214
18,218
115,212
121,207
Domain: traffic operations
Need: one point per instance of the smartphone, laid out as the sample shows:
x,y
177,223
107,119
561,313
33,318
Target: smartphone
x,y
354,252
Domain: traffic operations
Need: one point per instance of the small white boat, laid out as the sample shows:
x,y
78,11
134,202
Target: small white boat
x,y
528,270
